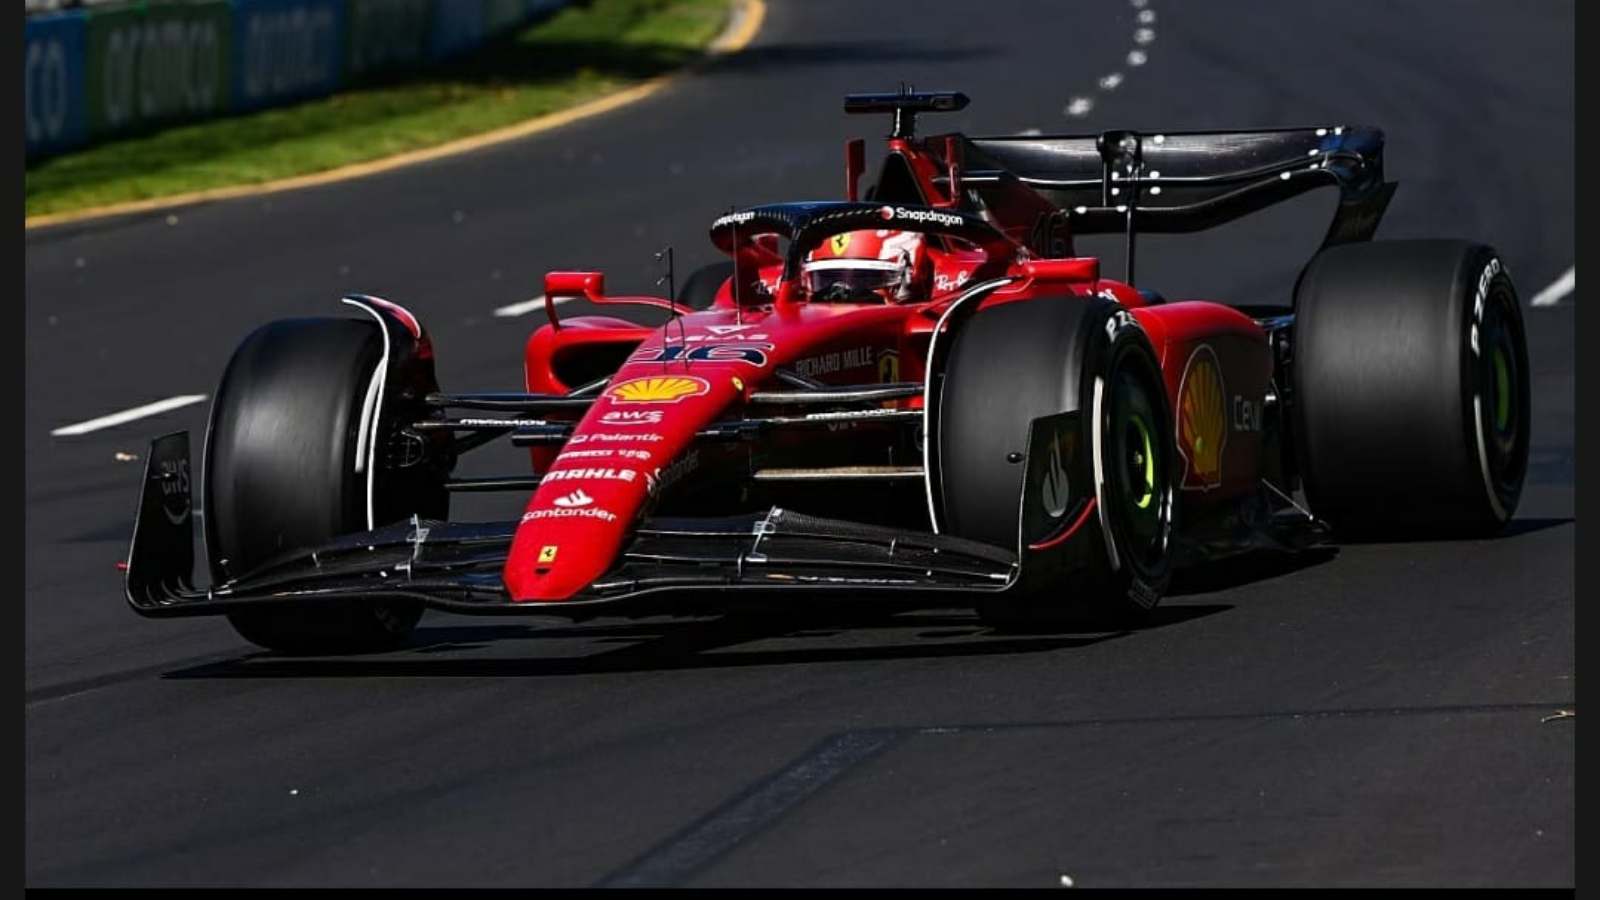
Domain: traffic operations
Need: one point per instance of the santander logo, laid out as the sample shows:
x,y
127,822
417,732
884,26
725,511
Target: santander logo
x,y
576,498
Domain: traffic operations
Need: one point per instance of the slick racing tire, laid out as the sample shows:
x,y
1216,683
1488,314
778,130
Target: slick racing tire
x,y
1410,389
281,475
1012,363
700,288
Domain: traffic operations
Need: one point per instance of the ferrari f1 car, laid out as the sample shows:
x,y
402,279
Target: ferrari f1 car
x,y
919,391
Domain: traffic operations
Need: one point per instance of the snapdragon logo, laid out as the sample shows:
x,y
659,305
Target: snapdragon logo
x,y
893,213
738,218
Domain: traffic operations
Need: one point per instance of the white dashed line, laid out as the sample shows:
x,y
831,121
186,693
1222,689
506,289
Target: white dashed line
x,y
1145,34
138,412
527,306
1553,294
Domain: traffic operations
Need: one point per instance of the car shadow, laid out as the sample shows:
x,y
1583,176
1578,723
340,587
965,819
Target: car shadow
x,y
1247,568
1514,528
1527,526
676,645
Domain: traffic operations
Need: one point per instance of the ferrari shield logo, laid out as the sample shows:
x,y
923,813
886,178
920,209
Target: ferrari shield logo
x,y
888,366
547,553
1202,420
839,243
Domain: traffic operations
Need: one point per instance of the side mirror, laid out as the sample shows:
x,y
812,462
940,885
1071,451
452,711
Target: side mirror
x,y
591,285
1075,269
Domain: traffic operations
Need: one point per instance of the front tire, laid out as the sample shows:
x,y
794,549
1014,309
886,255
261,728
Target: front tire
x,y
1411,389
282,474
1015,362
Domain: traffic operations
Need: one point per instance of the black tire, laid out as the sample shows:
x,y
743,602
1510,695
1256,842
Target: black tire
x,y
1402,428
1015,362
700,288
280,474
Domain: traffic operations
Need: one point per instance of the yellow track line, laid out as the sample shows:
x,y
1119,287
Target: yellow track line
x,y
742,27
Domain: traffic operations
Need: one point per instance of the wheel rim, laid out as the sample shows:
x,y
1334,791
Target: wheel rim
x,y
1500,389
1139,468
1141,462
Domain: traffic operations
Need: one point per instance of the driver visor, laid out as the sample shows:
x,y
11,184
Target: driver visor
x,y
852,277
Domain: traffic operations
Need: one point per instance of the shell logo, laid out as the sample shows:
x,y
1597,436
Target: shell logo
x,y
1202,420
659,389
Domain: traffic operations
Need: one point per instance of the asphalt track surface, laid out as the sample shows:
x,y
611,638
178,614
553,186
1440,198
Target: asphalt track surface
x,y
1377,717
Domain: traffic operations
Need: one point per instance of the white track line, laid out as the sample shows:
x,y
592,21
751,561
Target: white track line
x,y
128,415
1082,105
527,306
1563,286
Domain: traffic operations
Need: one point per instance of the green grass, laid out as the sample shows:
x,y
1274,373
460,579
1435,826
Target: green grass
x,y
580,53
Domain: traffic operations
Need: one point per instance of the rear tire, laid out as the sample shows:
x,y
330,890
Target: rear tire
x,y
281,475
1410,389
1018,361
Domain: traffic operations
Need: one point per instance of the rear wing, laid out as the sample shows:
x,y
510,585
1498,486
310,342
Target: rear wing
x,y
1124,181
1173,182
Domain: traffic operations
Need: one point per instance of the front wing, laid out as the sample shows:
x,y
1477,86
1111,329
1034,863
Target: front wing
x,y
694,563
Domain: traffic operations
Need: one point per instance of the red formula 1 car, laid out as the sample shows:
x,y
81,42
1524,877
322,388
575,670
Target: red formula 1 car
x,y
917,393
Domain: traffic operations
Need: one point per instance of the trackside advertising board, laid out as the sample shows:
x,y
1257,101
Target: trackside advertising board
x,y
52,82
386,35
106,71
287,49
156,64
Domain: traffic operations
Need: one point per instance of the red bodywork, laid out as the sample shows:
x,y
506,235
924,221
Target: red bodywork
x,y
700,367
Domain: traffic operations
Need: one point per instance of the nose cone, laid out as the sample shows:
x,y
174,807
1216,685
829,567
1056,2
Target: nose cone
x,y
569,541
586,504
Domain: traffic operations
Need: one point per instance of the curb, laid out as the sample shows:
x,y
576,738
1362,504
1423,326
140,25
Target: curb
x,y
742,26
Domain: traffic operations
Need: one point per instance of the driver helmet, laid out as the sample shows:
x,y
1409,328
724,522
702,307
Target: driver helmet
x,y
868,266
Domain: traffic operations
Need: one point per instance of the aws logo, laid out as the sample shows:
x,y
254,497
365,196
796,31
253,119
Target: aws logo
x,y
659,389
1202,420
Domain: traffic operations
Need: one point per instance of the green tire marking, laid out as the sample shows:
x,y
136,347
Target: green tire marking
x,y
1149,464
